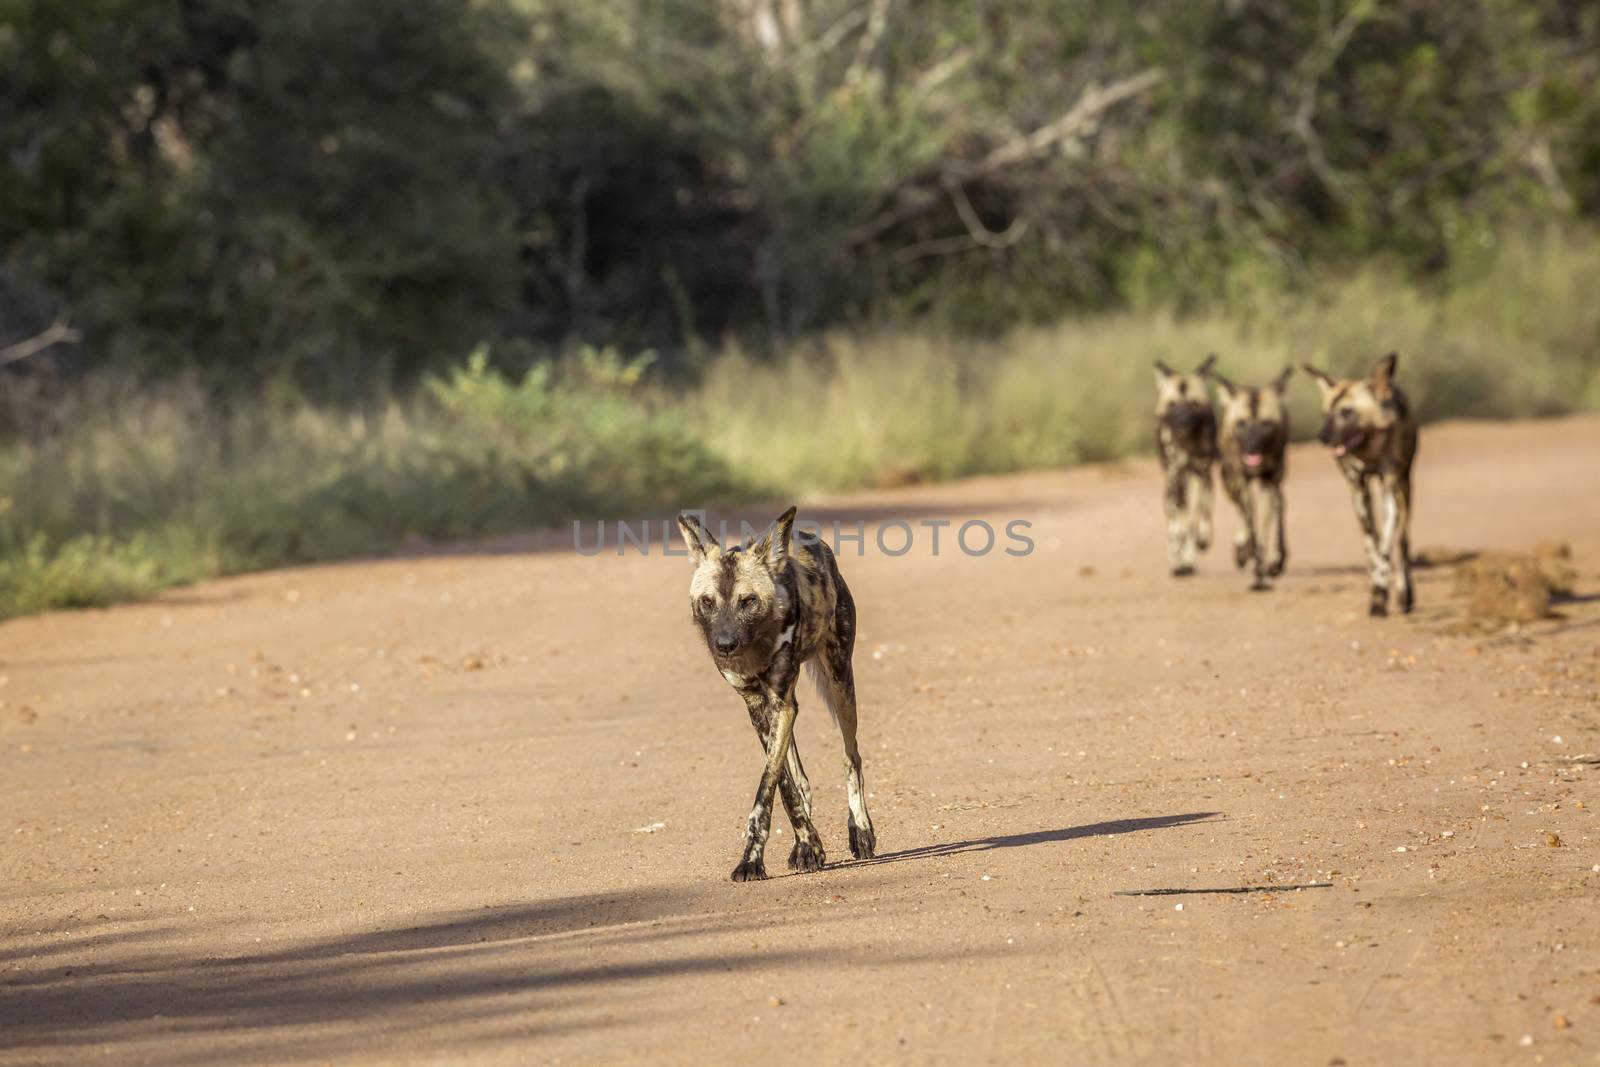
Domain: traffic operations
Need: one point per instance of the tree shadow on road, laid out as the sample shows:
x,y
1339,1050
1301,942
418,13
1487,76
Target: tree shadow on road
x,y
463,979
1041,837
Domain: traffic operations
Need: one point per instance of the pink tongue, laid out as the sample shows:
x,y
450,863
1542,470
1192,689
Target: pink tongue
x,y
1252,461
1338,450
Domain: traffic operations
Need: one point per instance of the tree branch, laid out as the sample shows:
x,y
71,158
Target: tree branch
x,y
1094,102
56,333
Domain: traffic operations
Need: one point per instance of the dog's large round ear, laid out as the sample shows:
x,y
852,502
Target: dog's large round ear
x,y
1383,372
1324,381
1225,387
774,544
1163,372
702,545
1281,382
1206,365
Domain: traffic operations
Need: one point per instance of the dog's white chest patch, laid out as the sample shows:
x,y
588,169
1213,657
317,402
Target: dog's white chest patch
x,y
734,678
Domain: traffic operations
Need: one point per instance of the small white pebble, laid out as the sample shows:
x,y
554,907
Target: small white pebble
x,y
1527,1039
985,878
1400,848
1556,740
1177,907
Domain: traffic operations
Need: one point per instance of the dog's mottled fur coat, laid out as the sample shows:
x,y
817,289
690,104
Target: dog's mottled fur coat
x,y
1369,424
1186,441
1252,442
764,609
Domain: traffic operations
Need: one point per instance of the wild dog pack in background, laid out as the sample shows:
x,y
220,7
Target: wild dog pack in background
x,y
1373,433
1251,442
1186,440
765,608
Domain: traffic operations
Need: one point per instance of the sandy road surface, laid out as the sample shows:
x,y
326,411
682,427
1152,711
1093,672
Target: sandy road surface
x,y
390,811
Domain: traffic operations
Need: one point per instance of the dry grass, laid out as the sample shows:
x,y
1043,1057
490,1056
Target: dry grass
x,y
1517,335
151,488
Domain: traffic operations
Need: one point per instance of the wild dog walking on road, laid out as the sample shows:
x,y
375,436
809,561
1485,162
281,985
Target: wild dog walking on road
x,y
1186,440
1373,433
1251,442
764,609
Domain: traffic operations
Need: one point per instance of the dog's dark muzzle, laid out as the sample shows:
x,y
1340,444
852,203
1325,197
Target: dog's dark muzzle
x,y
1186,421
725,644
1255,442
1342,439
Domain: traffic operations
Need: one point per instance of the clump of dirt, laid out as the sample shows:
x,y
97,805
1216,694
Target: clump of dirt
x,y
1502,588
1437,556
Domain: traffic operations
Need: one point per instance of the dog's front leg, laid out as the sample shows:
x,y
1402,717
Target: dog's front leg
x,y
793,787
1200,485
752,866
1245,548
1277,548
1377,561
1180,556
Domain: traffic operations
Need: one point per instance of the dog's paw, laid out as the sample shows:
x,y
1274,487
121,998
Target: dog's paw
x,y
1182,570
750,871
1408,601
1379,606
807,856
1242,554
863,843
1260,585
1275,568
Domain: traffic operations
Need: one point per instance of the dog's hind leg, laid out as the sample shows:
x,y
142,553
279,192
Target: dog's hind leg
x,y
793,788
835,677
1397,539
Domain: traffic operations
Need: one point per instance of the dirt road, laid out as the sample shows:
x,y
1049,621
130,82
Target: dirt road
x,y
481,807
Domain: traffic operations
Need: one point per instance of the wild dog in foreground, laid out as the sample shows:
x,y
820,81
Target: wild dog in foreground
x,y
1186,440
1251,442
1373,433
764,609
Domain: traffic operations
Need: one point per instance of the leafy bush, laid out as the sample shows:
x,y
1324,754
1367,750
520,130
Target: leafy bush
x,y
149,489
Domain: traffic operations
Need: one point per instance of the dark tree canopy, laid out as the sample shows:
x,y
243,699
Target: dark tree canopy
x,y
332,195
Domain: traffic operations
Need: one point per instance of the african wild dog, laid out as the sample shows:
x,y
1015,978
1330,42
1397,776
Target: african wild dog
x,y
1186,440
764,609
1373,434
1252,441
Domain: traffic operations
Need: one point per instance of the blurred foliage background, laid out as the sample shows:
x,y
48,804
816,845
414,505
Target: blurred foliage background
x,y
920,237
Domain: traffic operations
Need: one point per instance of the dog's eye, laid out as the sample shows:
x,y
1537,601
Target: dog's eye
x,y
1347,413
708,602
748,603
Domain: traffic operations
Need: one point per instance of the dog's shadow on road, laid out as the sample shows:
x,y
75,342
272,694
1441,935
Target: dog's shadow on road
x,y
1041,837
